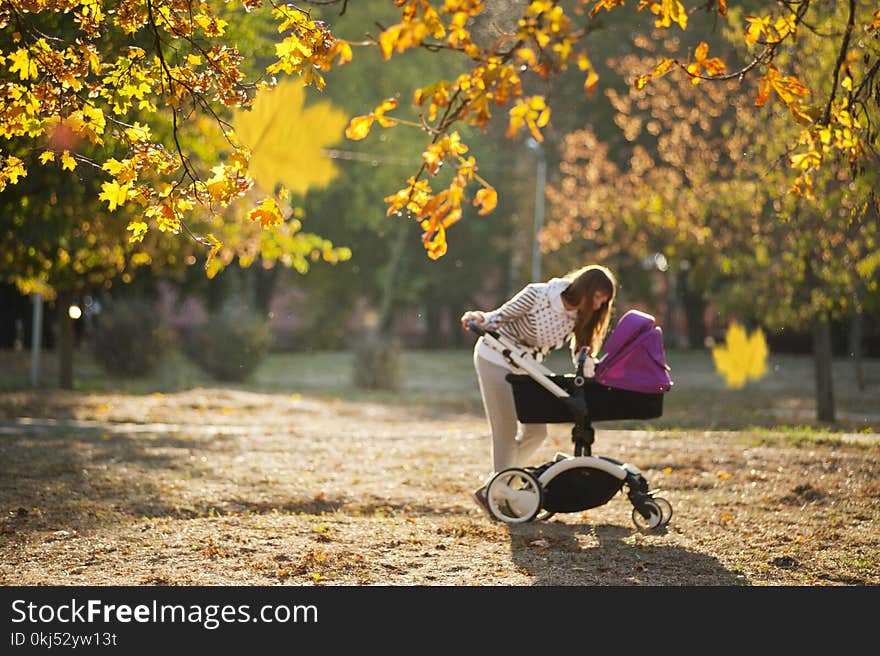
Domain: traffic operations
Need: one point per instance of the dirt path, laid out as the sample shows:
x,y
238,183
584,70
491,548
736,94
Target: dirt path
x,y
222,487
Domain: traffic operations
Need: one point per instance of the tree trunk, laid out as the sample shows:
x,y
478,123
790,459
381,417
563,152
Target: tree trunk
x,y
855,348
377,361
396,257
264,283
823,356
65,341
694,312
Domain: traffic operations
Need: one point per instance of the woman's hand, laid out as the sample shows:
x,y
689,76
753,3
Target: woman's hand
x,y
472,315
584,362
581,351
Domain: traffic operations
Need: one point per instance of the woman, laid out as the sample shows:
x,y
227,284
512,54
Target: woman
x,y
542,317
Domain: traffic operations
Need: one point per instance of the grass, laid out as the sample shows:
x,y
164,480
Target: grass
x,y
444,379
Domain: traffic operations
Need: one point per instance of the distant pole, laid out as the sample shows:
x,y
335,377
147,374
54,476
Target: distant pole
x,y
540,184
36,339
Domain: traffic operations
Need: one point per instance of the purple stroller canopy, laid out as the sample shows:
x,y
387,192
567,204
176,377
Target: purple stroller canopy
x,y
634,356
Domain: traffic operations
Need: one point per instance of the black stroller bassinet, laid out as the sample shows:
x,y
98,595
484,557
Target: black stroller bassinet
x,y
536,405
629,383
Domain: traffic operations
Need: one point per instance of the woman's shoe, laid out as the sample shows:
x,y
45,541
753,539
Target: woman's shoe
x,y
479,497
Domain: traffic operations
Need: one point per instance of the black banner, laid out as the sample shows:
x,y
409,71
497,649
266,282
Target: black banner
x,y
130,620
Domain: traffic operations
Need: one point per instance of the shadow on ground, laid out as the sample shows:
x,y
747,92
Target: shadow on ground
x,y
557,553
56,480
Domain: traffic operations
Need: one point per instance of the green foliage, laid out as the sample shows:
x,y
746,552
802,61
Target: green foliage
x,y
129,339
351,211
230,344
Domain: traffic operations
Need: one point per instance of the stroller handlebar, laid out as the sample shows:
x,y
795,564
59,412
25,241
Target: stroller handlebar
x,y
477,328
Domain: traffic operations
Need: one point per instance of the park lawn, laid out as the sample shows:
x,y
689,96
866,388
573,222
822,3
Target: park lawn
x,y
298,477
444,381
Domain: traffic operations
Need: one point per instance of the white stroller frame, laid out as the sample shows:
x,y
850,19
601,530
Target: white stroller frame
x,y
517,495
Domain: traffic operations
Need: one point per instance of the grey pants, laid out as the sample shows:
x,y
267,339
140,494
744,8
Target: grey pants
x,y
513,443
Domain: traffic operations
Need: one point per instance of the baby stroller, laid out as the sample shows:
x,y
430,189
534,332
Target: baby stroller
x,y
629,382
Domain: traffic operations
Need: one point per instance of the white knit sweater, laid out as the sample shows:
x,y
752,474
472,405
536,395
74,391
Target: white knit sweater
x,y
535,318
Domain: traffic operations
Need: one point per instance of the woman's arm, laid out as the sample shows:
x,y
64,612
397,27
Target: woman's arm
x,y
515,307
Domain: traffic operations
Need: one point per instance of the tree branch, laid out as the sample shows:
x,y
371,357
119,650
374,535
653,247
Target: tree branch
x,y
841,57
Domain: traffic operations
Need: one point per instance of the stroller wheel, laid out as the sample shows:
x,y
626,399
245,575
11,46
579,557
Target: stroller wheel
x,y
665,509
647,515
514,496
544,516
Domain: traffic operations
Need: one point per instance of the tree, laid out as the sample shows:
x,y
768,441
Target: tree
x,y
696,176
175,56
67,226
58,242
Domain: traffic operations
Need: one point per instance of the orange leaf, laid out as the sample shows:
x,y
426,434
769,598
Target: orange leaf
x,y
268,213
591,82
663,67
607,5
435,243
487,199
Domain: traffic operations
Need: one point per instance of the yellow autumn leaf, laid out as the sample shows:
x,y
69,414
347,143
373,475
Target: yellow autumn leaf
x,y
67,162
12,169
385,106
23,64
667,12
527,57
114,193
47,156
138,132
758,29
342,50
359,127
742,357
388,39
213,264
138,229
288,139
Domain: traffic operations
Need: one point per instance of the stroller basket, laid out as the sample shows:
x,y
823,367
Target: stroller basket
x,y
535,405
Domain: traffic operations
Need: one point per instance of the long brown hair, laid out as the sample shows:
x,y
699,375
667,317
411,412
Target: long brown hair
x,y
591,325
